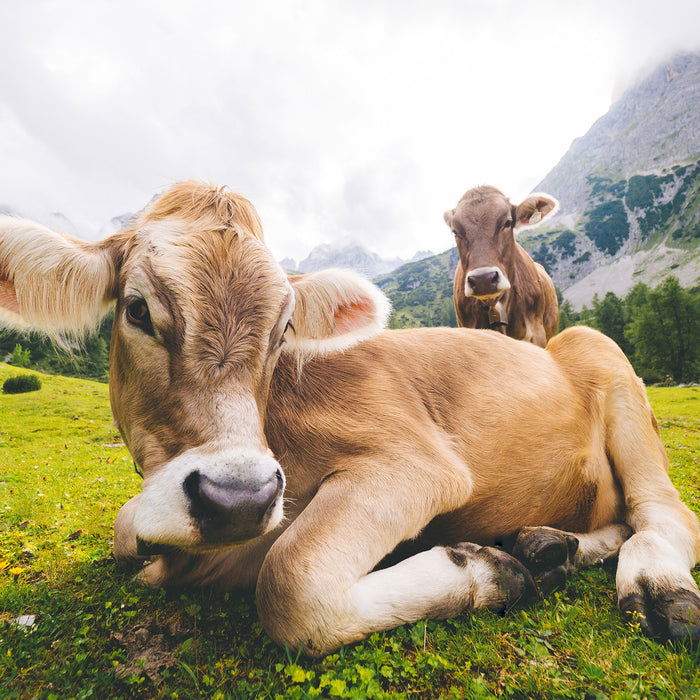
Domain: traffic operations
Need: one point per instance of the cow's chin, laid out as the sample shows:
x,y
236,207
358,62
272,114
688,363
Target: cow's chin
x,y
146,548
193,539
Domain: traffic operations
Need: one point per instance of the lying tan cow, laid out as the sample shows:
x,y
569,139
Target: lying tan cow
x,y
286,443
497,284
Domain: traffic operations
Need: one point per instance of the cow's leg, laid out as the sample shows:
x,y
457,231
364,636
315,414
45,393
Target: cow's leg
x,y
317,591
654,582
551,555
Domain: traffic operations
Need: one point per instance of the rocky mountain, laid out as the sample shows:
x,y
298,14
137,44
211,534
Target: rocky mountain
x,y
116,223
352,256
629,191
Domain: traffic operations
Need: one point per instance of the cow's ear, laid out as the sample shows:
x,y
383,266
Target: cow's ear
x,y
448,216
534,208
51,282
334,310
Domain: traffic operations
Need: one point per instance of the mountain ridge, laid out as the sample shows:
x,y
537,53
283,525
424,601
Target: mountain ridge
x,y
350,255
629,191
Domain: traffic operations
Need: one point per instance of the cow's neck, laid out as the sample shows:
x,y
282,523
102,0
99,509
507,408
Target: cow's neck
x,y
498,317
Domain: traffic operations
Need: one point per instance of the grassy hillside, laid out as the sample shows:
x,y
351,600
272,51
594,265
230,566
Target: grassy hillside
x,y
421,292
96,633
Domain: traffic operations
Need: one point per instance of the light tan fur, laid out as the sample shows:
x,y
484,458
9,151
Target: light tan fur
x,y
425,438
51,281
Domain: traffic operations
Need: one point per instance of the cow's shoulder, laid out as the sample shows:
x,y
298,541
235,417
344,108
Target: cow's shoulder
x,y
527,278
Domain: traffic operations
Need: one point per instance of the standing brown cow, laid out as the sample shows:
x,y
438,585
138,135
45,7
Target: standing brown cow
x,y
497,284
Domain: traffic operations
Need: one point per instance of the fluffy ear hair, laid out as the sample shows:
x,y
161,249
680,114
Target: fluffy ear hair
x,y
51,282
448,216
334,310
534,208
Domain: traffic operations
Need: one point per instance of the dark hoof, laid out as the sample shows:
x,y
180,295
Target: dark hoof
x,y
666,615
548,554
515,584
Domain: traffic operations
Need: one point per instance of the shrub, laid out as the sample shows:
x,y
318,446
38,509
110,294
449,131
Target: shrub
x,y
607,226
21,384
20,357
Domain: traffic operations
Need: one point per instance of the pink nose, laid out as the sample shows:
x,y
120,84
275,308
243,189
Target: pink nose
x,y
231,511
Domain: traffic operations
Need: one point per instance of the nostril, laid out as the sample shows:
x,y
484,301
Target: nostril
x,y
191,487
494,277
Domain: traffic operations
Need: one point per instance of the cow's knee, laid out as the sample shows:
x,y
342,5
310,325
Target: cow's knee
x,y
295,612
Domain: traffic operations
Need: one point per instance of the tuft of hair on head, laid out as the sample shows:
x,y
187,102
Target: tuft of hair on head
x,y
207,205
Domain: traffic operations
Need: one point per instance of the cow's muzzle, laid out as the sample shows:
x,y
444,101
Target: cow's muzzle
x,y
204,500
486,283
230,510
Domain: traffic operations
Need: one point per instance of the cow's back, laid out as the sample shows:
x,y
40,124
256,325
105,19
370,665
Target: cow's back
x,y
406,389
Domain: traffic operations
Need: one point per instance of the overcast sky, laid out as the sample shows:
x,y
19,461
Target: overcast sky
x,y
357,121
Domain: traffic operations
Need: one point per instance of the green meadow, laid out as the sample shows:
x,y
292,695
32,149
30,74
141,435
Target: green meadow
x,y
73,625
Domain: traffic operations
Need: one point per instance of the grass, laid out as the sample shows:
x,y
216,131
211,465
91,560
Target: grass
x,y
98,634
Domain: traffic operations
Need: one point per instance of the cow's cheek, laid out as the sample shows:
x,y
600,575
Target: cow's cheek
x,y
139,395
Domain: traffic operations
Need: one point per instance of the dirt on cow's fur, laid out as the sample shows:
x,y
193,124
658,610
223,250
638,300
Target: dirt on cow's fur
x,y
151,648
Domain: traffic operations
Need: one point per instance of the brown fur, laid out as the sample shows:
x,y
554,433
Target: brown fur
x,y
531,306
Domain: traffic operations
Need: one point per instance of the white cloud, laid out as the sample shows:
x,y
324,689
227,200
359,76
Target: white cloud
x,y
341,121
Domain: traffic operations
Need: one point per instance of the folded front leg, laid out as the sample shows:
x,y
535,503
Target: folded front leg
x,y
317,589
436,584
441,583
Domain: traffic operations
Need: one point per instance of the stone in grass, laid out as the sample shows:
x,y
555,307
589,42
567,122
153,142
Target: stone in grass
x,y
25,621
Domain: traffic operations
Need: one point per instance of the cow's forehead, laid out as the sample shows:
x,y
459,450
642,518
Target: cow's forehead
x,y
487,201
195,263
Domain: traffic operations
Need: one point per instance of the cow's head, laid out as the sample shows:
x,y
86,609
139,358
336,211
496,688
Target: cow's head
x,y
484,224
202,314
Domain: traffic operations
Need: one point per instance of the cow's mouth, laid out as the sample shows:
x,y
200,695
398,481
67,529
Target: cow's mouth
x,y
153,549
147,549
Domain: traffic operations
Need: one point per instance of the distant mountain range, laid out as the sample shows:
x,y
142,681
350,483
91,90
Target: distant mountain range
x,y
352,256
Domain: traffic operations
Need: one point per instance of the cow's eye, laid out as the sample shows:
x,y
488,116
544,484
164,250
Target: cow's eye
x,y
508,224
284,332
137,314
457,234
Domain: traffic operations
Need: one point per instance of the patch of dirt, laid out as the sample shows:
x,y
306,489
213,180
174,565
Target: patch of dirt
x,y
150,649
